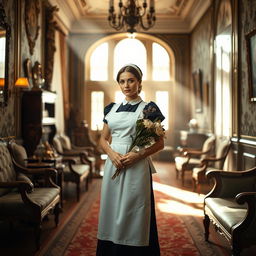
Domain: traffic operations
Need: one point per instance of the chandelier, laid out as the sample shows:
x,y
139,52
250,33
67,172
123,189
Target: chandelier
x,y
131,15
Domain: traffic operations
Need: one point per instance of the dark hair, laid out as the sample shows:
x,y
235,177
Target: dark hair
x,y
132,68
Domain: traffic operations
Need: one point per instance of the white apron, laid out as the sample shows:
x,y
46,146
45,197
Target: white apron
x,y
125,206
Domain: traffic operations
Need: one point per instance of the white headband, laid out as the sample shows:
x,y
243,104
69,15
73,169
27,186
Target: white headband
x,y
135,67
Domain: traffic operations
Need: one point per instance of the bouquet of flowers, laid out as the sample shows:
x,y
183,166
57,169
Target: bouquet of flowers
x,y
147,131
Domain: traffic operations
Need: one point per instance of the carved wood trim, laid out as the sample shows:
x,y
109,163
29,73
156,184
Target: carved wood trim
x,y
32,10
7,27
50,28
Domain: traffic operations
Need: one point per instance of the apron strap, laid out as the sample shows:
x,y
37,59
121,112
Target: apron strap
x,y
140,108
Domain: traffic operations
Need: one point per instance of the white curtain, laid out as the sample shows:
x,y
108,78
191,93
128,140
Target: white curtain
x,y
57,86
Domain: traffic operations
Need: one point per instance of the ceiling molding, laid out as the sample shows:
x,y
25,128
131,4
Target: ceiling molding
x,y
101,26
88,16
198,11
65,13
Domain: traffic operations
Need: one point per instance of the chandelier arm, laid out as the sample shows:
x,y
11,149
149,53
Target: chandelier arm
x,y
132,15
143,12
118,26
152,18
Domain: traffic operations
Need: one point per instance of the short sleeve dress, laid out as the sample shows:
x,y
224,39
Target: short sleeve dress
x,y
127,224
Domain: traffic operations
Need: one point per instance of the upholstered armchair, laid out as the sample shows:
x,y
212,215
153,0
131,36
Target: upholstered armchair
x,y
20,199
20,157
78,168
190,158
90,152
198,173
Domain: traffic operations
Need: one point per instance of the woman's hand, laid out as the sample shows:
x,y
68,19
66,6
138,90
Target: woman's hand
x,y
116,159
130,158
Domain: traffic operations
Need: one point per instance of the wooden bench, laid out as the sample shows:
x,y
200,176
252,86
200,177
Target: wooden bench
x,y
231,207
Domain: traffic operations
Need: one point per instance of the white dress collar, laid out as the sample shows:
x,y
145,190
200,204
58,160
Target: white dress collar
x,y
132,102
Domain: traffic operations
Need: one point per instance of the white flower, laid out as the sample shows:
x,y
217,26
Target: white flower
x,y
148,124
159,129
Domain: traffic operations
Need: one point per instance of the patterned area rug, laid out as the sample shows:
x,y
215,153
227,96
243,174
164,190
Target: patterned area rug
x,y
179,234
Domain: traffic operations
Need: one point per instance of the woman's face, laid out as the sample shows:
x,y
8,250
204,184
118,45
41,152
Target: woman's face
x,y
129,85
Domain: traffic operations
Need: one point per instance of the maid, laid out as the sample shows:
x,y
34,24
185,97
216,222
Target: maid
x,y
127,222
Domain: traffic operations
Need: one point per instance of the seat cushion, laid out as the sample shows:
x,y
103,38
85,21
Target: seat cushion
x,y
92,159
82,171
180,161
227,211
11,204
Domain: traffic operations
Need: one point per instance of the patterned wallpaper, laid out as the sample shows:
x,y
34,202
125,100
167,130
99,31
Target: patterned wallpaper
x,y
200,59
248,109
7,115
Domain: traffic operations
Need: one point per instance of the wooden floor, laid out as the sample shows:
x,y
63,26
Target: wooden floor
x,y
20,240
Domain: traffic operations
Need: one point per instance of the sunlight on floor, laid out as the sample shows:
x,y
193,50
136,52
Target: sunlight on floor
x,y
180,201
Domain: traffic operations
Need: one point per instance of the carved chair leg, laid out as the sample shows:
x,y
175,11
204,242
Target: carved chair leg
x,y
236,251
78,191
38,229
235,248
182,177
87,180
57,211
206,222
194,184
177,173
198,189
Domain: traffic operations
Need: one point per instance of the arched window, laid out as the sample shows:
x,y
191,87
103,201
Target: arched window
x,y
99,63
106,57
130,50
161,63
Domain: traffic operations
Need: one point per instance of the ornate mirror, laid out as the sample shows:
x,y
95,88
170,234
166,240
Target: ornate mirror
x,y
5,33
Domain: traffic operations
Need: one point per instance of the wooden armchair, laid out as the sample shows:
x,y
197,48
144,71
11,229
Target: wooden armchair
x,y
231,207
78,168
190,158
20,200
198,173
90,152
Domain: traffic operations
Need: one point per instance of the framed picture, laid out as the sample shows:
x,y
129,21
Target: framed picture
x,y
198,90
251,63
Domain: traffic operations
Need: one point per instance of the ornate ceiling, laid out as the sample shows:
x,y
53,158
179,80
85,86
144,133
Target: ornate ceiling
x,y
90,16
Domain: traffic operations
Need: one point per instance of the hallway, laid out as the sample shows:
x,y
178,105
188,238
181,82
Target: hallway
x,y
174,199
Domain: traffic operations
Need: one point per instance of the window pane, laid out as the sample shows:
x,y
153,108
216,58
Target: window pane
x,y
99,63
162,101
130,50
97,101
161,63
2,57
223,100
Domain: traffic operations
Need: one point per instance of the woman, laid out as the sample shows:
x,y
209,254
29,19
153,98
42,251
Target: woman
x,y
127,223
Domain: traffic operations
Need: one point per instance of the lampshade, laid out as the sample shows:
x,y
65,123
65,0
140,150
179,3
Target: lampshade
x,y
1,82
22,82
